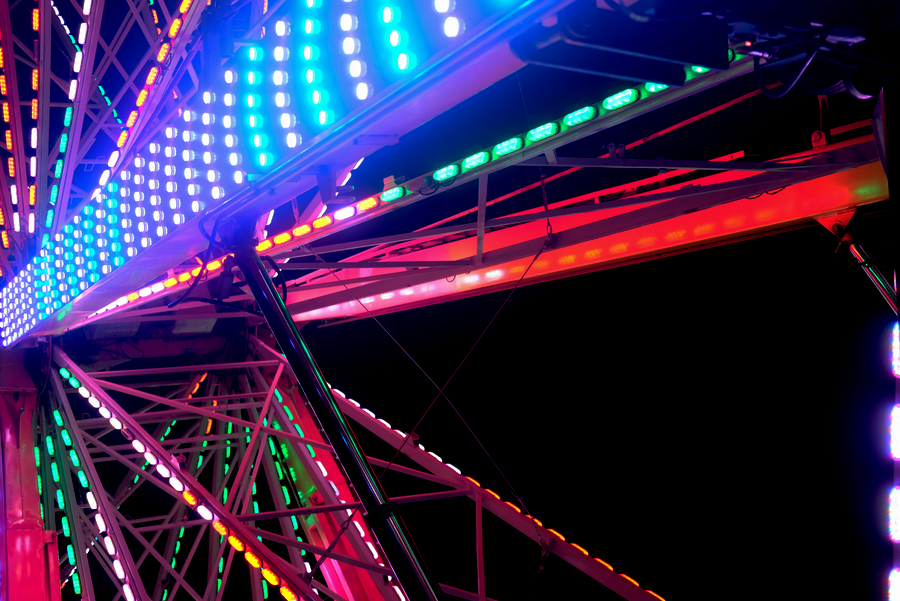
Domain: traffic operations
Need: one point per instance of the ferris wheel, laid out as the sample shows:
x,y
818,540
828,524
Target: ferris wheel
x,y
188,163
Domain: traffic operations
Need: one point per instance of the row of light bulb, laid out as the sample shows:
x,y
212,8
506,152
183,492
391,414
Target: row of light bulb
x,y
170,476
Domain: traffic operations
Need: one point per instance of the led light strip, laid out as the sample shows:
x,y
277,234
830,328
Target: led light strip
x,y
556,534
105,535
277,243
172,475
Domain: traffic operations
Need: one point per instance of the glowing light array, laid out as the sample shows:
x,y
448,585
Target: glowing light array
x,y
170,477
133,210
895,350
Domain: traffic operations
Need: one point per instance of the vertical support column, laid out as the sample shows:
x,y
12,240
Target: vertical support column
x,y
392,534
482,209
479,549
24,571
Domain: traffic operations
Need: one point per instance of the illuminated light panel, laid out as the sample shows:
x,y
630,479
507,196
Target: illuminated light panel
x,y
3,85
345,213
544,131
190,498
555,533
368,203
123,137
302,230
282,238
445,173
252,559
621,99
655,87
476,160
454,27
35,79
163,52
895,350
580,116
894,515
264,245
270,576
406,61
220,528
236,543
292,596
175,28
152,75
142,97
504,148
894,585
895,432
35,19
699,69
322,222
390,14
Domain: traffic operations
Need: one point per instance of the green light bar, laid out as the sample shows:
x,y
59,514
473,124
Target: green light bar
x,y
544,131
64,373
655,87
66,438
59,499
445,173
71,553
621,99
65,526
50,448
698,69
63,142
67,120
287,496
54,470
57,171
40,486
511,145
83,479
73,381
76,584
57,417
476,160
393,194
580,116
37,456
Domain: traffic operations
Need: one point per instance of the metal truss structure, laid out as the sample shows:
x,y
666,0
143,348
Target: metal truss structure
x,y
233,431
155,483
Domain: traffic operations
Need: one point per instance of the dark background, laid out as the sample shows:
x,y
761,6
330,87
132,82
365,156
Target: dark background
x,y
714,425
